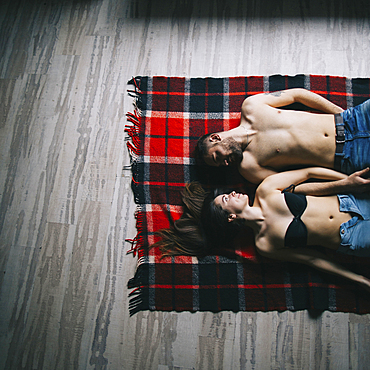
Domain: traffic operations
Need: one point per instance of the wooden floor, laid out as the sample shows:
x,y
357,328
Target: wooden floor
x,y
66,202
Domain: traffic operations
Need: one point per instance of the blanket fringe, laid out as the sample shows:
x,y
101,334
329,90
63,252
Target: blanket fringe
x,y
137,243
133,145
137,301
134,119
137,297
139,283
141,275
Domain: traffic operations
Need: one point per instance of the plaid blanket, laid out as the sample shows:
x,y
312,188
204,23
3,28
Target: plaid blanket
x,y
170,115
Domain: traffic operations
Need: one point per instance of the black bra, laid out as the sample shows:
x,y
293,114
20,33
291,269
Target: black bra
x,y
296,234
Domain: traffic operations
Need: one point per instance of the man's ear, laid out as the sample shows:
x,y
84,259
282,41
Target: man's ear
x,y
231,217
215,137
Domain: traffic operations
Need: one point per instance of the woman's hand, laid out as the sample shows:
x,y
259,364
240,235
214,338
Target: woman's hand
x,y
364,282
317,260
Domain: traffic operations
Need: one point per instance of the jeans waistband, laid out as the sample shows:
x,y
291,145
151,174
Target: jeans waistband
x,y
339,140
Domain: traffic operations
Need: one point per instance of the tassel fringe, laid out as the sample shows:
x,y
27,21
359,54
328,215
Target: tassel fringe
x,y
137,243
137,301
133,127
134,119
139,284
133,145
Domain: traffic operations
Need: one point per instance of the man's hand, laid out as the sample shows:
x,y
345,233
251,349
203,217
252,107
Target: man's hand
x,y
359,181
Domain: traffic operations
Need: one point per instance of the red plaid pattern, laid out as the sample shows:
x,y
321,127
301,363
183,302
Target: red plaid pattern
x,y
172,113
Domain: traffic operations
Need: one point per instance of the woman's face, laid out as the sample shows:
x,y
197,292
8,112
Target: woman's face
x,y
233,203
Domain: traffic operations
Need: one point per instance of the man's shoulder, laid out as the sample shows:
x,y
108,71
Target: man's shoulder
x,y
249,168
249,161
252,101
254,105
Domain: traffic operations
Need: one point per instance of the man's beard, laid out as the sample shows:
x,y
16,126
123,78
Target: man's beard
x,y
236,153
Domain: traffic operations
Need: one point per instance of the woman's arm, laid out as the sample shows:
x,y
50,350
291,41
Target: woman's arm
x,y
355,183
339,183
318,261
282,180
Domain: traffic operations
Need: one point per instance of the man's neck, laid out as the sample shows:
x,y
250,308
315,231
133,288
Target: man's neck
x,y
246,135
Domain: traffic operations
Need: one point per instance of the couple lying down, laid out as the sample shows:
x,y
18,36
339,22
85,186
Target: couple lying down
x,y
286,222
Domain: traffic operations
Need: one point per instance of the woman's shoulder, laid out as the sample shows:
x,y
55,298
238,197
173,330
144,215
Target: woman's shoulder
x,y
264,245
269,248
270,238
267,188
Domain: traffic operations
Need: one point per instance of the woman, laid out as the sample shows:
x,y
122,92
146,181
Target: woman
x,y
285,224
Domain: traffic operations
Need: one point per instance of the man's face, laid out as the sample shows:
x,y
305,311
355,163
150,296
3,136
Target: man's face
x,y
226,152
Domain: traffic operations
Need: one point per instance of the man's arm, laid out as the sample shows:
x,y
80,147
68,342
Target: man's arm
x,y
355,183
286,97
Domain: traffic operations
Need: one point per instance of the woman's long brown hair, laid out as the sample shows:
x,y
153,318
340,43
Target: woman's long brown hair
x,y
186,237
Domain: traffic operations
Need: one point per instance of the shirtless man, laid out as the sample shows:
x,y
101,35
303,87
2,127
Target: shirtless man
x,y
270,140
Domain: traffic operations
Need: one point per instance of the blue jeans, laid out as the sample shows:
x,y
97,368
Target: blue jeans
x,y
355,233
356,151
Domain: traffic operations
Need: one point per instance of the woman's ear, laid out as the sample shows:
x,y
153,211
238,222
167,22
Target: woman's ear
x,y
232,217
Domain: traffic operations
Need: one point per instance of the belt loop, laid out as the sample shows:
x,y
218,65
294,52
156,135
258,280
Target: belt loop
x,y
339,129
338,119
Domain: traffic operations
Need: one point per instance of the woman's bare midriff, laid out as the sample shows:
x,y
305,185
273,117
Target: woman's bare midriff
x,y
323,219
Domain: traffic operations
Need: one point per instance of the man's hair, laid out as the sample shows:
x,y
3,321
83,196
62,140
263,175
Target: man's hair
x,y
202,149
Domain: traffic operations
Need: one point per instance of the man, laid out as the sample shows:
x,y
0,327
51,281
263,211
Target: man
x,y
270,140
